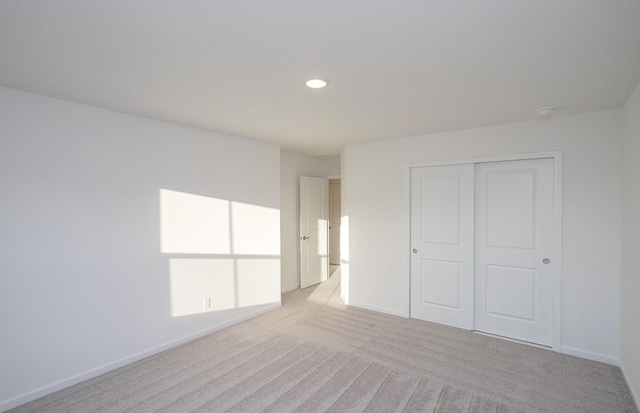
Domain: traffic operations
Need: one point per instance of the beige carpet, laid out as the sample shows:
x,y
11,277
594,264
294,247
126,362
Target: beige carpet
x,y
315,354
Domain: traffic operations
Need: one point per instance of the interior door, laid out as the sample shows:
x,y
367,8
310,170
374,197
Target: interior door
x,y
514,237
442,216
335,218
314,233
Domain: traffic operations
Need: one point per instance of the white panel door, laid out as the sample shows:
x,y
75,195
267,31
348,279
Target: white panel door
x,y
514,237
314,230
335,218
442,244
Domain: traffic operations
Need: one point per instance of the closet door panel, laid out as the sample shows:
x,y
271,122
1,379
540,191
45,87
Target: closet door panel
x,y
442,244
513,246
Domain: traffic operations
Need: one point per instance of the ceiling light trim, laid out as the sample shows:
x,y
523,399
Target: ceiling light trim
x,y
316,83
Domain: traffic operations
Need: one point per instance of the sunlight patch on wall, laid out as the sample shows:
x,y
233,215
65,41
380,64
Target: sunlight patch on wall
x,y
258,281
241,247
255,229
193,280
194,224
344,258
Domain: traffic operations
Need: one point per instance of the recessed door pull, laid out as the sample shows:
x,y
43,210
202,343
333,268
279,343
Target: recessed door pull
x,y
415,251
546,261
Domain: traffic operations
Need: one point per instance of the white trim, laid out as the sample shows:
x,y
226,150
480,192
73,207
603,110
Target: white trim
x,y
380,309
603,358
634,396
484,159
557,231
70,381
513,340
556,339
333,177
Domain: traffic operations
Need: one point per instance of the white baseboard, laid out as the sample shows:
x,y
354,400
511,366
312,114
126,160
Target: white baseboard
x,y
634,396
59,385
589,355
289,288
380,309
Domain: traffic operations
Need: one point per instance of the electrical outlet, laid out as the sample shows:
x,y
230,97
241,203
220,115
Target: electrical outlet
x,y
206,303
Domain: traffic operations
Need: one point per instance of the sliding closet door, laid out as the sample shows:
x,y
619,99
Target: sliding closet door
x,y
442,244
514,237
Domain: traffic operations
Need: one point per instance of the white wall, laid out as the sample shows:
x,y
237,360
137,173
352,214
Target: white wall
x,y
85,286
376,202
291,168
630,353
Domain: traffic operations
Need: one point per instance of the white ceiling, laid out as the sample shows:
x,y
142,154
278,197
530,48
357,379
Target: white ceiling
x,y
396,68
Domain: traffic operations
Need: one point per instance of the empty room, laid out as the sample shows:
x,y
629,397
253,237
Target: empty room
x,y
292,206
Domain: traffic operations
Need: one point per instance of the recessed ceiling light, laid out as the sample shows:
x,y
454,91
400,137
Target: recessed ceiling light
x,y
546,111
316,83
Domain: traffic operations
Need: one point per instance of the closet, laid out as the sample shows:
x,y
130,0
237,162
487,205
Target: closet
x,y
482,237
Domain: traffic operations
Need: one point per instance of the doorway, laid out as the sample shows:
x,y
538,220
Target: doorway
x,y
320,220
314,230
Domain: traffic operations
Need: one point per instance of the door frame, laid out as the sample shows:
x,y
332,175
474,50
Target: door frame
x,y
556,269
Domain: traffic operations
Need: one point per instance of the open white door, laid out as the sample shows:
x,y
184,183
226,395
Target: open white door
x,y
314,230
442,244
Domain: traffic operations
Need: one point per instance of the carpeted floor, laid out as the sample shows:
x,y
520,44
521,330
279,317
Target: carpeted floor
x,y
316,354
